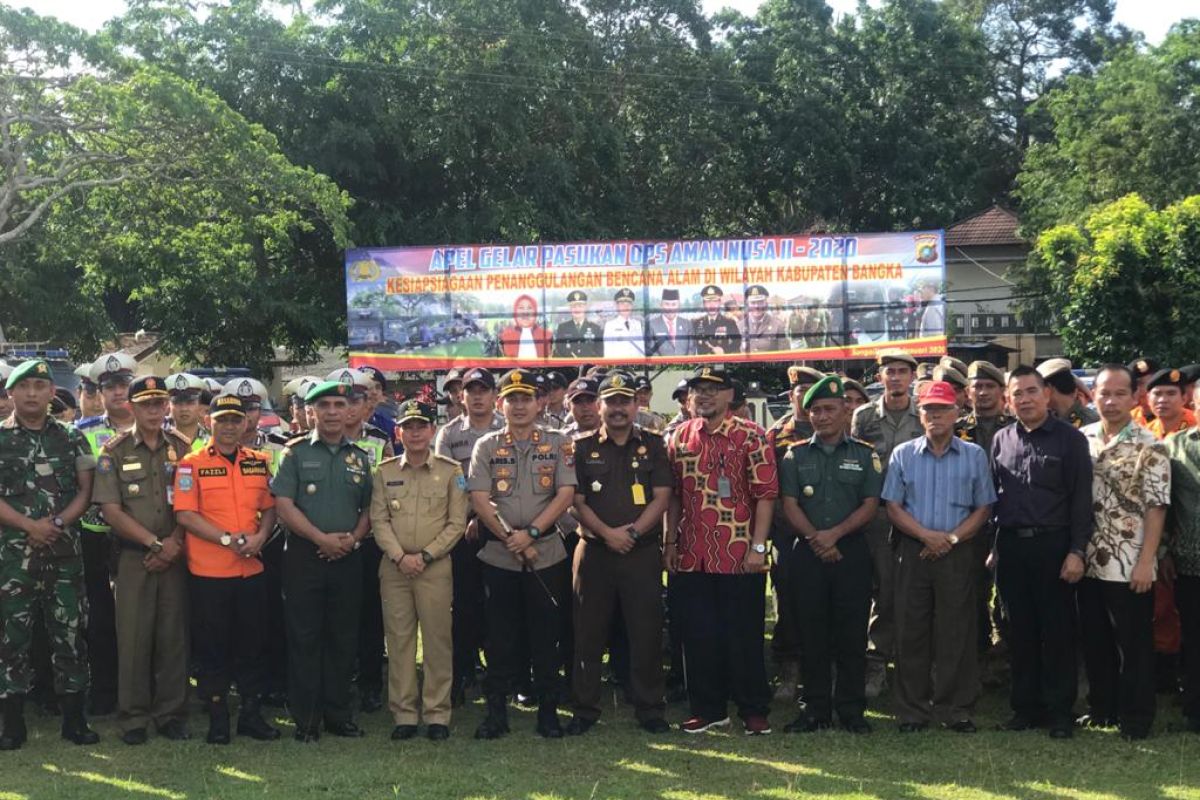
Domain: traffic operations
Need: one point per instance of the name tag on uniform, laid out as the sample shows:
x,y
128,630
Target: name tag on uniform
x,y
129,467
724,489
852,466
395,483
212,472
253,467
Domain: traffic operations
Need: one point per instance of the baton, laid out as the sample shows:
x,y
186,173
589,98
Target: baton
x,y
508,531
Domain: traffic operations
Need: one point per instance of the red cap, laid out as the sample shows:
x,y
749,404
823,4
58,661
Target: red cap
x,y
937,393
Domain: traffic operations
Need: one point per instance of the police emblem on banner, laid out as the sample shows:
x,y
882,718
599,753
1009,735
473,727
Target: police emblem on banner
x,y
927,248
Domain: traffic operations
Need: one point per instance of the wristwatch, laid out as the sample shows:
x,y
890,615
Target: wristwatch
x,y
633,534
226,539
241,540
156,546
58,522
953,538
534,533
428,559
760,548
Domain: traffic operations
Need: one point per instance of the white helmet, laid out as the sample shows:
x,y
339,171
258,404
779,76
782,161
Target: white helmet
x,y
359,382
180,382
111,364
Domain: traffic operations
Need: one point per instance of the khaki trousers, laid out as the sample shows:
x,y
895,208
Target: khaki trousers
x,y
423,601
152,642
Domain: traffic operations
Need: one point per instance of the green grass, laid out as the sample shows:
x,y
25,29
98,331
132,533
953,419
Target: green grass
x,y
616,760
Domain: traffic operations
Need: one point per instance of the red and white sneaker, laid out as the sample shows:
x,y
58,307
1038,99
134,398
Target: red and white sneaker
x,y
756,726
700,724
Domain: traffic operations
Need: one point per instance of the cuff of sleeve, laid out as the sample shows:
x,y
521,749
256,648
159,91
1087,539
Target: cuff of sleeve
x,y
1081,553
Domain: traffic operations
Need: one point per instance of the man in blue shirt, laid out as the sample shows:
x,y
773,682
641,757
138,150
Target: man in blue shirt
x,y
939,493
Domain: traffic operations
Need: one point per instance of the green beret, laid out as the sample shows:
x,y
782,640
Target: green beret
x,y
327,389
830,387
35,368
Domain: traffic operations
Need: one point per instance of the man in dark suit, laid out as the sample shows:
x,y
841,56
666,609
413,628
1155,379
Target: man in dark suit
x,y
669,333
578,338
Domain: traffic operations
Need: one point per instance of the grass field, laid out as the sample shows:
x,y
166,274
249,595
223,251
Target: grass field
x,y
616,760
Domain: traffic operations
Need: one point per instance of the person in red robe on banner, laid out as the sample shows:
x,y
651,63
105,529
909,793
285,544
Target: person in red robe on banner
x,y
525,338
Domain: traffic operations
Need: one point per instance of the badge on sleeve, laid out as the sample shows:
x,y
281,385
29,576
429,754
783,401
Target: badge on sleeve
x,y
875,462
104,465
460,481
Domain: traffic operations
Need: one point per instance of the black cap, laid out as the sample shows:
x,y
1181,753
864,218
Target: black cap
x,y
624,296
617,383
710,374
415,409
556,379
62,400
479,375
452,376
376,375
1190,373
517,381
583,386
1141,367
642,383
148,387
1167,377
540,384
227,404
680,389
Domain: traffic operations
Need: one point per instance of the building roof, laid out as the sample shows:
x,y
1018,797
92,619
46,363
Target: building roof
x,y
992,226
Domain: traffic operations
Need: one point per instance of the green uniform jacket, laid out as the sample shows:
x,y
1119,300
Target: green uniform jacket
x,y
330,486
830,487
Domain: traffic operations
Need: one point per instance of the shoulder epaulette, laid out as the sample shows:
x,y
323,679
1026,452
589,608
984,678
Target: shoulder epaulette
x,y
180,436
397,458
452,462
360,449
863,442
586,435
115,440
799,442
652,432
296,439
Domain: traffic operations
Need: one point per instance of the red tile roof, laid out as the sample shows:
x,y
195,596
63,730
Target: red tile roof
x,y
992,226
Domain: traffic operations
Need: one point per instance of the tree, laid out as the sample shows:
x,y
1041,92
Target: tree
x,y
1129,281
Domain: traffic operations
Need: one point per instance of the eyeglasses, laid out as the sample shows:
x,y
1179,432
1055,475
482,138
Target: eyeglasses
x,y
708,388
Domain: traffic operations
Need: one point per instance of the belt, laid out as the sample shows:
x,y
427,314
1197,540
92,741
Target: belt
x,y
645,540
1029,533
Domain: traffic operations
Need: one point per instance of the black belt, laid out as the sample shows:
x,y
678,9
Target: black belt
x,y
1029,533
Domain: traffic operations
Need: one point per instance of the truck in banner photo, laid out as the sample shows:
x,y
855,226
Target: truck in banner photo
x,y
774,298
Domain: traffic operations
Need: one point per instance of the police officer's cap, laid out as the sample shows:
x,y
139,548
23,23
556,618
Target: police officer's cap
x,y
415,409
985,370
328,389
624,296
452,376
540,384
953,363
112,364
711,291
710,374
292,387
576,296
680,390
1167,377
642,384
375,374
831,387
213,385
757,292
224,405
799,375
582,387
179,383
556,379
899,356
83,372
924,371
480,376
850,383
517,381
617,384
34,368
357,383
147,388
1141,367
948,374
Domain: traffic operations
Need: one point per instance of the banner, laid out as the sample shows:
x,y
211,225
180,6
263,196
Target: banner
x,y
772,298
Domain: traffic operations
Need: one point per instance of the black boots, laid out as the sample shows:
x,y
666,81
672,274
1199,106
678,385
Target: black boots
x,y
74,727
218,721
548,726
495,724
14,734
252,724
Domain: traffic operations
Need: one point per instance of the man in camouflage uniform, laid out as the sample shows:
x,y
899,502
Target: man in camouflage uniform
x,y
46,471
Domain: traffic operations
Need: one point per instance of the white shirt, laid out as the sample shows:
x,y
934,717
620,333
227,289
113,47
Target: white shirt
x,y
623,338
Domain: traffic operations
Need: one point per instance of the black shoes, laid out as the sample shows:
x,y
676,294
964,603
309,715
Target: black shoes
x,y
913,727
252,724
495,724
14,733
437,733
579,726
806,724
218,722
306,736
402,733
174,730
962,726
346,730
548,726
856,725
134,737
74,726
656,725
372,701
1017,722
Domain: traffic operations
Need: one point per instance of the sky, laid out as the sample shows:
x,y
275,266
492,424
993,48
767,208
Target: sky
x,y
1152,17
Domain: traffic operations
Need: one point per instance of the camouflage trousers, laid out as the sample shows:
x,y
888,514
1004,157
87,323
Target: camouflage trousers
x,y
50,589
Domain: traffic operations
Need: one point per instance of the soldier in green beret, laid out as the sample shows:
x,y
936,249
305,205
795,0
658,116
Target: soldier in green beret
x,y
46,471
830,486
323,496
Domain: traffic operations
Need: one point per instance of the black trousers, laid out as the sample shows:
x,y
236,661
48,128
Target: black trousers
x,y
518,611
102,613
467,615
723,617
1117,628
229,623
275,635
370,627
832,605
785,639
321,603
1041,610
1187,600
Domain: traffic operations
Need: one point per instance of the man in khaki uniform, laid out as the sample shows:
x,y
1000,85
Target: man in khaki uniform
x,y
883,424
134,488
418,514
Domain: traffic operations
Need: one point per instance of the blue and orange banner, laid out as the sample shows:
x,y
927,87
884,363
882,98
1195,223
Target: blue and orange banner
x,y
771,298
